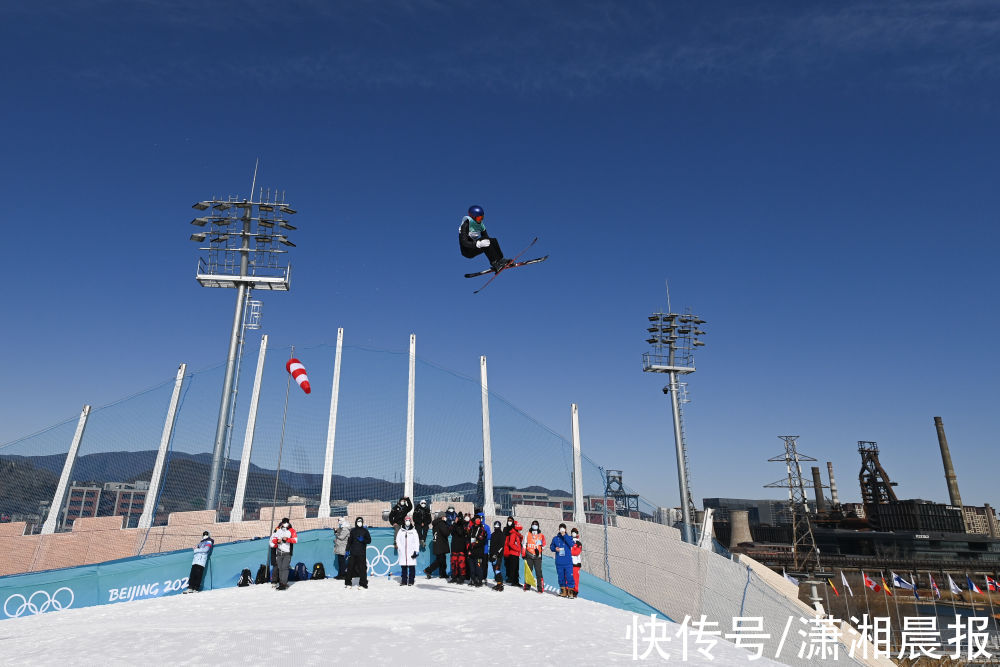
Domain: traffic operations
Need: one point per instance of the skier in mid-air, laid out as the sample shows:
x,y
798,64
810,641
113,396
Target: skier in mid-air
x,y
474,240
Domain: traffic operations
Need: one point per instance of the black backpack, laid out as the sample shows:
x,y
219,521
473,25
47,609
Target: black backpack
x,y
301,573
245,578
319,572
262,575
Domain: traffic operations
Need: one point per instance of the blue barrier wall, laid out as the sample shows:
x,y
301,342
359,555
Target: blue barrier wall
x,y
159,575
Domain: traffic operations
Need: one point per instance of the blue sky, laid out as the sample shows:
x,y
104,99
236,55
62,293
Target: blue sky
x,y
818,182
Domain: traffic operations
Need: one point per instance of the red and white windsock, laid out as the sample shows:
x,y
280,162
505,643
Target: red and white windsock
x,y
298,371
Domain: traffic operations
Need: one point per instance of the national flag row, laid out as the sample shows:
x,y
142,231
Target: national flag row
x,y
900,582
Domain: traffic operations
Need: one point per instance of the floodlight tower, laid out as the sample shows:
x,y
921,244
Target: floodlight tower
x,y
246,248
673,337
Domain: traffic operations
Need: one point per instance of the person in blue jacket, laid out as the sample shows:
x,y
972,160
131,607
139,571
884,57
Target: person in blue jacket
x,y
200,562
562,545
485,573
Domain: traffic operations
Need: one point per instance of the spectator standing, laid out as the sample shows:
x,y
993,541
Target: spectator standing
x,y
343,536
496,554
513,549
408,546
397,514
282,539
200,562
459,549
357,554
478,542
577,552
562,545
534,546
422,521
442,529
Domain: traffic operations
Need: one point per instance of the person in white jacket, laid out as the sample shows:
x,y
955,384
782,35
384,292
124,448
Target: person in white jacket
x,y
340,543
199,562
408,546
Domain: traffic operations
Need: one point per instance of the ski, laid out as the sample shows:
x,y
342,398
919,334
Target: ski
x,y
524,263
512,264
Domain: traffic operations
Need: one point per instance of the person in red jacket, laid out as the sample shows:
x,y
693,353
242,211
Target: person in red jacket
x,y
513,549
575,551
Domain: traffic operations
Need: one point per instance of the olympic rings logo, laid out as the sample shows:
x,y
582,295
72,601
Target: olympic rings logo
x,y
38,602
381,558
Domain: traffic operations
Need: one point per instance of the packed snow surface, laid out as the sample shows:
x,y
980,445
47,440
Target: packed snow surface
x,y
321,622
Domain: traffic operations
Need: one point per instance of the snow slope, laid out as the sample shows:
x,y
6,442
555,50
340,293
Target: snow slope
x,y
318,622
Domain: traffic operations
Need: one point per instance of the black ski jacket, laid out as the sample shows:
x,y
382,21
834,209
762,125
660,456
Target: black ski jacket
x,y
400,511
441,532
459,537
357,543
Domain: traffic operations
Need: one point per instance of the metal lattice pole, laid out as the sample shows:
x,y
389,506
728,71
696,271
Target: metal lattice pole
x,y
246,242
805,555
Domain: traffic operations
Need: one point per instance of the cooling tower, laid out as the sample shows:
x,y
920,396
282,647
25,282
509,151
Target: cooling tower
x,y
739,524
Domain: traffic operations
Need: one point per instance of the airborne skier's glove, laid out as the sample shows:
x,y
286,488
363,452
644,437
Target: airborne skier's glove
x,y
413,555
483,243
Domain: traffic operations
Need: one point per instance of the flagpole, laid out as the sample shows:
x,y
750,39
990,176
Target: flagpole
x,y
864,589
989,597
886,595
281,443
951,592
849,594
933,597
826,599
972,594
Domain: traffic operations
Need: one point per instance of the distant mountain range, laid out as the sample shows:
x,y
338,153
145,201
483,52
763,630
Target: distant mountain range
x,y
30,480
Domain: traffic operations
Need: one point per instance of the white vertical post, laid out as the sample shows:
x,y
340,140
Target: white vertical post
x,y
59,498
331,432
149,505
236,515
410,405
489,507
579,515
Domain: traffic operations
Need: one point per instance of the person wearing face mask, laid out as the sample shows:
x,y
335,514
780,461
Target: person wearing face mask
x,y
459,548
562,545
357,552
477,551
407,545
534,546
398,514
450,514
199,562
442,529
343,534
576,551
496,554
485,572
282,539
422,521
513,549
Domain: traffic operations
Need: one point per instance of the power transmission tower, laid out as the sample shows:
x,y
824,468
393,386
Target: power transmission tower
x,y
805,555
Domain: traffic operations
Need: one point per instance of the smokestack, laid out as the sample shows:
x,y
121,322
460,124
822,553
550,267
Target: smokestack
x,y
739,525
949,469
818,485
833,485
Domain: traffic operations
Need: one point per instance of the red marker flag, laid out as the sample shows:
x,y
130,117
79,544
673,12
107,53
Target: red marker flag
x,y
298,371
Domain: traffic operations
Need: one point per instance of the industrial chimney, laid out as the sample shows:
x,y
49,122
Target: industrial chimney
x,y
833,485
739,525
949,469
818,485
